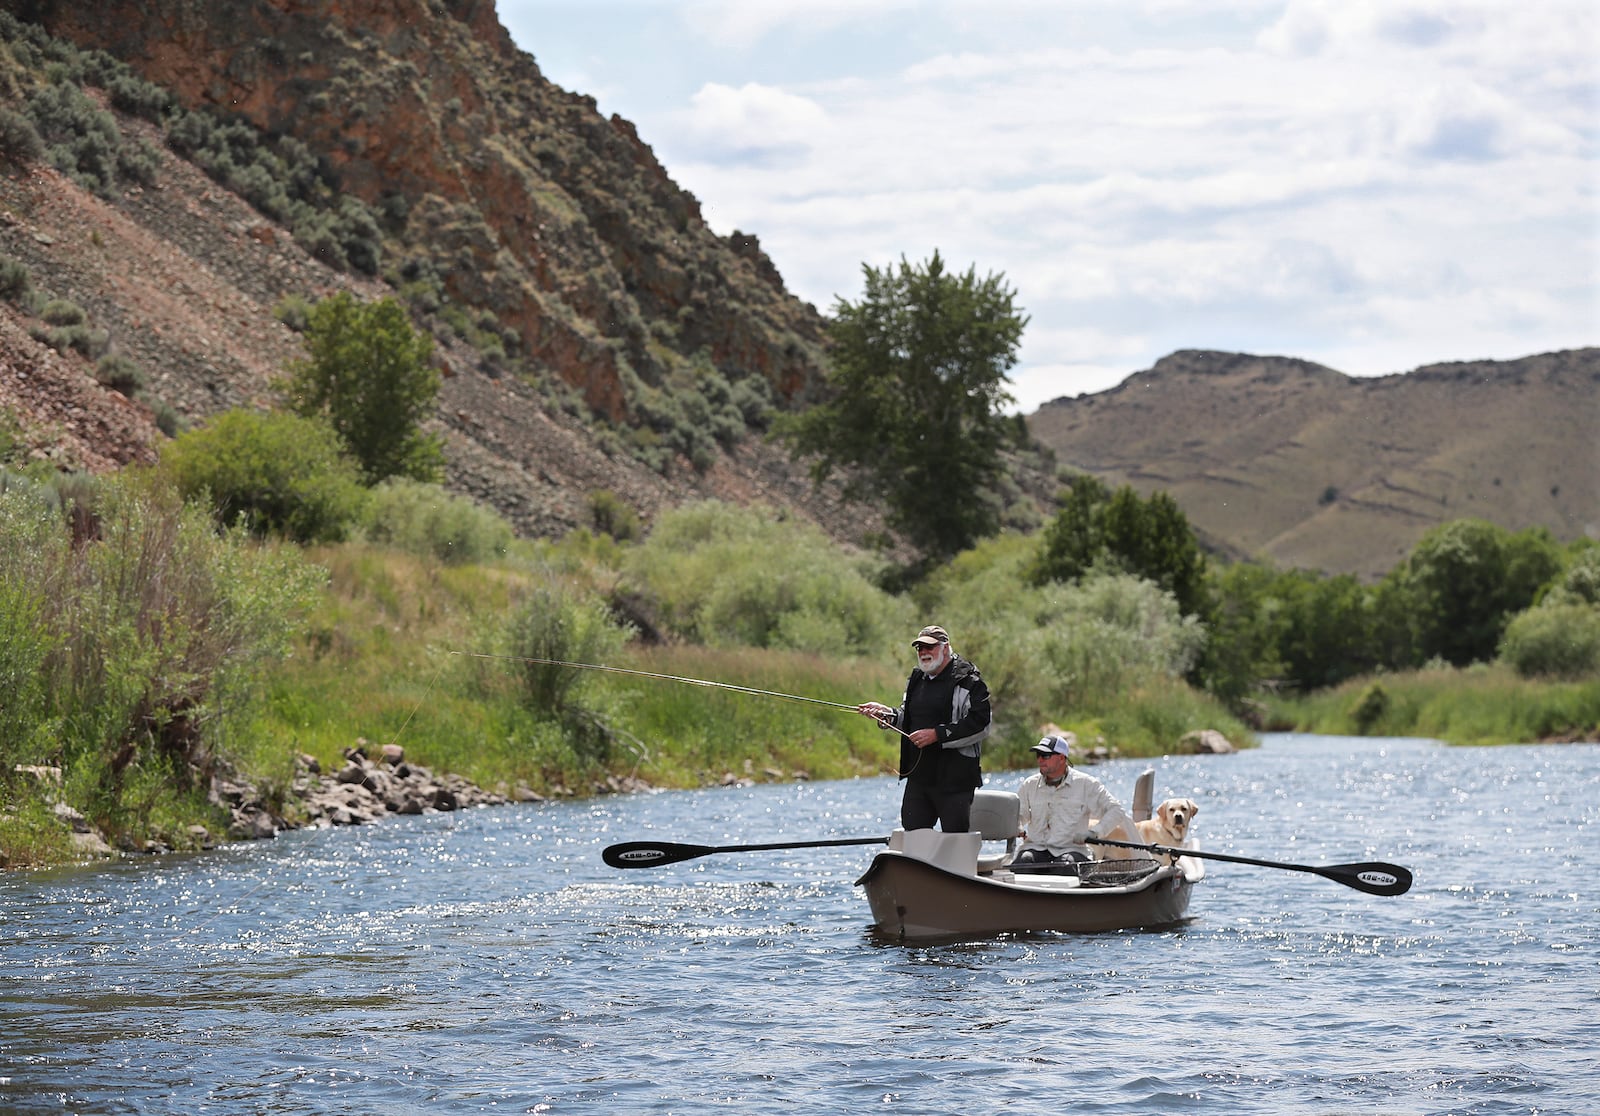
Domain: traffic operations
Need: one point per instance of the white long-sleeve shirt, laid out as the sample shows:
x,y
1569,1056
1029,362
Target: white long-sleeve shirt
x,y
1058,818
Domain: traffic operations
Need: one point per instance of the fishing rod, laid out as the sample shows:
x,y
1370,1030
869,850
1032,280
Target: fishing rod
x,y
751,690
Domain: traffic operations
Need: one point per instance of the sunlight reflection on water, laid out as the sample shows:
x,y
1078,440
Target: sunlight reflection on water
x,y
449,963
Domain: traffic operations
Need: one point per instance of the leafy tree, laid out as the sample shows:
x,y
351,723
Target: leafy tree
x,y
372,375
1579,583
1463,582
1244,631
1150,538
1073,541
918,377
1325,629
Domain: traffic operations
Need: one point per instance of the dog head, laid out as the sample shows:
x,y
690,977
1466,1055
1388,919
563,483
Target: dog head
x,y
1176,814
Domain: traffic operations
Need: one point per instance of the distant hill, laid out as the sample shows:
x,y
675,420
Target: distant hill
x,y
1275,457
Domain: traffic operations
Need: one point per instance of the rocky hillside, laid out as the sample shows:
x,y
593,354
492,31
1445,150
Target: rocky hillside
x,y
595,334
587,318
1310,467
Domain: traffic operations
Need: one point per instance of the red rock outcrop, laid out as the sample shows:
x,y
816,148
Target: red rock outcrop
x,y
565,225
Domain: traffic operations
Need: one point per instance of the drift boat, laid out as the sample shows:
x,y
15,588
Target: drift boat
x,y
929,885
941,885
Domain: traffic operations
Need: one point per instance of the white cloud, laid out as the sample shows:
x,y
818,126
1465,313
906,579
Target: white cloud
x,y
755,125
741,24
1371,184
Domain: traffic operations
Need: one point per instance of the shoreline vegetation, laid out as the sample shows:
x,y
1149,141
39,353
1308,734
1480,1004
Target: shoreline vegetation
x,y
402,665
287,612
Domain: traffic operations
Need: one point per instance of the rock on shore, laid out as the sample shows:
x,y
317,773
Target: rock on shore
x,y
363,790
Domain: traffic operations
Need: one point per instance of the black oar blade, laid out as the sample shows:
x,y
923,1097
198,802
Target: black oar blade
x,y
1373,876
650,854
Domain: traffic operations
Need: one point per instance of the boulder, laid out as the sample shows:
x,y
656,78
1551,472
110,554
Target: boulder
x,y
1205,742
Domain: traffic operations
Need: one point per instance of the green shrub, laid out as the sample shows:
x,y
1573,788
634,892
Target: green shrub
x,y
131,648
84,338
168,419
135,96
82,140
283,180
1554,641
19,139
63,312
32,549
611,515
553,628
724,576
119,373
15,280
294,311
281,473
1370,707
1579,583
425,520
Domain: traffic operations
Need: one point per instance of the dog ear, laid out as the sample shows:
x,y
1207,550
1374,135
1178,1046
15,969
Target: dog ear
x,y
1194,807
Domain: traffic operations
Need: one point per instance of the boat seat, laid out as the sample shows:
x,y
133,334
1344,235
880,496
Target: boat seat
x,y
996,816
954,852
1143,793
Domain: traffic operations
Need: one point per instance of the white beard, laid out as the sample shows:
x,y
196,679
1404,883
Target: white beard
x,y
932,664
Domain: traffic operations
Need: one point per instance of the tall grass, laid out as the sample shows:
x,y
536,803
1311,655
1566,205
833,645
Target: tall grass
x,y
1476,705
133,635
694,734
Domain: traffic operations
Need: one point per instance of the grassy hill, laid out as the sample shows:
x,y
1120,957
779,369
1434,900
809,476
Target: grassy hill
x,y
1276,457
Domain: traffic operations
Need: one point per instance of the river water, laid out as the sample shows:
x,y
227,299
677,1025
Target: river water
x,y
489,961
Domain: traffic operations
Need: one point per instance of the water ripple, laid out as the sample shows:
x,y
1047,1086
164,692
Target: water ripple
x,y
489,960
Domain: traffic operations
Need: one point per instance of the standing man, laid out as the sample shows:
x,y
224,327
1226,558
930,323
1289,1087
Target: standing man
x,y
942,719
1058,805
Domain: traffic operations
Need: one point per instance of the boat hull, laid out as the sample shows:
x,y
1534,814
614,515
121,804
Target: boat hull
x,y
913,899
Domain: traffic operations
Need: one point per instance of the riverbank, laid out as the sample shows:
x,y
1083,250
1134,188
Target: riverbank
x,y
373,783
1478,705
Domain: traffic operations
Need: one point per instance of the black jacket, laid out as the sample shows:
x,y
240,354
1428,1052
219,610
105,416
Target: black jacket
x,y
956,703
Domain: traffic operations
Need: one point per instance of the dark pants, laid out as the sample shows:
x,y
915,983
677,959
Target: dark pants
x,y
1045,862
921,806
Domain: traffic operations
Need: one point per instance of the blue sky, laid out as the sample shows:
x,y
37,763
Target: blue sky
x,y
1369,184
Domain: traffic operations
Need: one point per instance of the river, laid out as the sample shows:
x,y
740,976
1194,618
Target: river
x,y
488,961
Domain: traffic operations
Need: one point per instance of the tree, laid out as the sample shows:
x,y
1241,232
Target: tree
x,y
918,377
372,375
1150,538
1073,540
1463,582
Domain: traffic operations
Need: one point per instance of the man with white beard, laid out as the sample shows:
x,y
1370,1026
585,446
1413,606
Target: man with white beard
x,y
942,720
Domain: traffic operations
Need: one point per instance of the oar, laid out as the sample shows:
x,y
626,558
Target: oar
x,y
652,854
1372,876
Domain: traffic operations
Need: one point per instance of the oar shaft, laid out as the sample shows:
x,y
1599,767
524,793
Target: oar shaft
x,y
654,854
1373,877
799,845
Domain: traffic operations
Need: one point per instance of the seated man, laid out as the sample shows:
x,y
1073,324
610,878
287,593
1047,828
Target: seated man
x,y
1057,807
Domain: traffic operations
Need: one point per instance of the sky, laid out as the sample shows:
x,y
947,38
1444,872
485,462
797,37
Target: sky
x,y
1372,185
